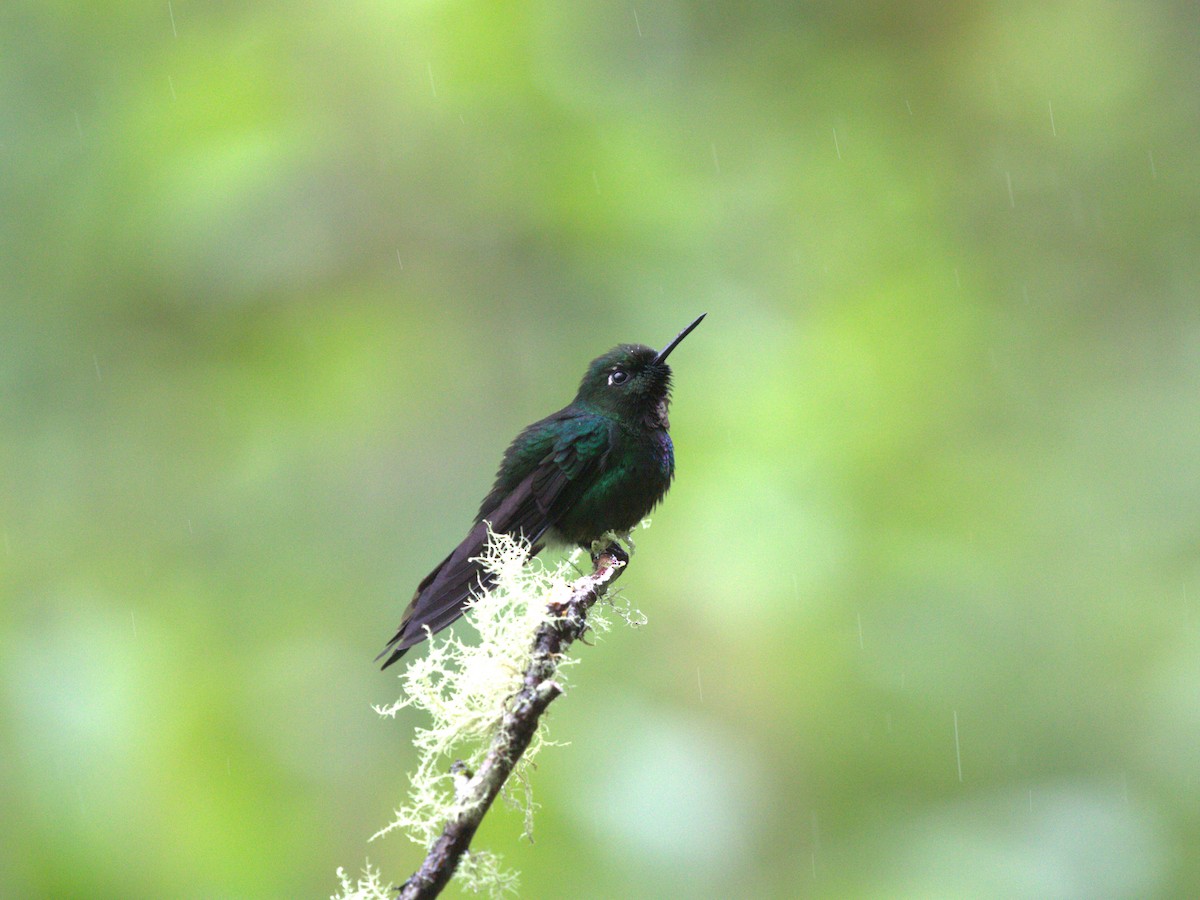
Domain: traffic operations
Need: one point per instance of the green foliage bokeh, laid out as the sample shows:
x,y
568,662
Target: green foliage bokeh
x,y
278,283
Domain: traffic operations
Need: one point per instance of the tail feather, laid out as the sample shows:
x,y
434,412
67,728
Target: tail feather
x,y
528,510
443,596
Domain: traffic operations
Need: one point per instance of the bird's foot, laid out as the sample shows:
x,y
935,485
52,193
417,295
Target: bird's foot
x,y
611,541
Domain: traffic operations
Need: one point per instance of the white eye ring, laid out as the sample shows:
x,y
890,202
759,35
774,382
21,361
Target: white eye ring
x,y
618,376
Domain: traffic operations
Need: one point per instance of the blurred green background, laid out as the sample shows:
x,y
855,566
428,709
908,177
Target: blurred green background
x,y
278,283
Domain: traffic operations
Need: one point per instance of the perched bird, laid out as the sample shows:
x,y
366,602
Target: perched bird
x,y
599,464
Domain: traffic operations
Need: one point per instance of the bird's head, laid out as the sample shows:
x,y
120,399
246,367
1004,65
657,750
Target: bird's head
x,y
632,381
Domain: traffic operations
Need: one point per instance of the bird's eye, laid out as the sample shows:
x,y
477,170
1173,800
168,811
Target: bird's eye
x,y
618,376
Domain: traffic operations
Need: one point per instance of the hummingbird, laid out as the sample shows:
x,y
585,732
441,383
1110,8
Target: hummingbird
x,y
599,464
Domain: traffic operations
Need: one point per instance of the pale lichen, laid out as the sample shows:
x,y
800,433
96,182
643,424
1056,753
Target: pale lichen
x,y
366,887
466,689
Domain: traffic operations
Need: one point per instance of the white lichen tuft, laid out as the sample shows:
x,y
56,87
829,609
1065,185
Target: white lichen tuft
x,y
367,887
466,690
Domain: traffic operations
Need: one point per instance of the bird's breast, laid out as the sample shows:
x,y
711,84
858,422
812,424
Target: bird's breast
x,y
634,476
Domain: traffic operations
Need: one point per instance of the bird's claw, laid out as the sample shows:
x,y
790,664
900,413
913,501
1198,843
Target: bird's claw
x,y
611,543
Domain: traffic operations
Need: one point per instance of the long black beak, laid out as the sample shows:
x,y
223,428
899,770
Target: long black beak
x,y
666,351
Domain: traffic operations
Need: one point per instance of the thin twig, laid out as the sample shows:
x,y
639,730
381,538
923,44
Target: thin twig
x,y
518,725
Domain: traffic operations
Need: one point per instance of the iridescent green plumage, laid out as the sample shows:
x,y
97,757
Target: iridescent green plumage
x,y
598,465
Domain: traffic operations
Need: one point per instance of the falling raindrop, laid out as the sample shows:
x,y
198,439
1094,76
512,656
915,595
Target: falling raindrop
x,y
957,747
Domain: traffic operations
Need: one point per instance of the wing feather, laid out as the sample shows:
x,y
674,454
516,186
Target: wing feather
x,y
569,458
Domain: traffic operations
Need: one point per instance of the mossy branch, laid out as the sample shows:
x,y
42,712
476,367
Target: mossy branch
x,y
518,725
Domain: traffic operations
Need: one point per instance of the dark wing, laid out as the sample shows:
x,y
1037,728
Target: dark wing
x,y
564,452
